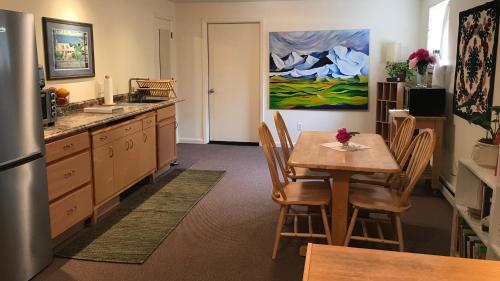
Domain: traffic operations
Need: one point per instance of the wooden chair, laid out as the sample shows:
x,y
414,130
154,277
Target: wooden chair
x,y
398,147
294,173
287,194
377,199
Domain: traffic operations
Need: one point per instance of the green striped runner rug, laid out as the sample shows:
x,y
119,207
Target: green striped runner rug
x,y
142,221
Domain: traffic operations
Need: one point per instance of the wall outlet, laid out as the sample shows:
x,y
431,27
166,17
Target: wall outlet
x,y
299,126
100,89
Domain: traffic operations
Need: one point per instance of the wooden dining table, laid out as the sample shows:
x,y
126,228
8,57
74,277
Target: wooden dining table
x,y
325,263
309,153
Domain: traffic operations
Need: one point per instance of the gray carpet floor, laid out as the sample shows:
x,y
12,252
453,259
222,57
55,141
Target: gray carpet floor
x,y
229,234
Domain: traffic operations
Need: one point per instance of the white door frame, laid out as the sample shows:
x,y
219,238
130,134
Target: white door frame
x,y
205,71
159,23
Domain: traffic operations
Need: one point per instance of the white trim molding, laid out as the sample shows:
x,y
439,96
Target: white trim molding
x,y
205,68
191,140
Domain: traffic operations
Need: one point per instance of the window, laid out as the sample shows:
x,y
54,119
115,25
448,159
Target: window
x,y
437,33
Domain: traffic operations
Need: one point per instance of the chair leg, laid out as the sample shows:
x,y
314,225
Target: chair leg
x,y
351,226
325,225
394,227
399,228
279,226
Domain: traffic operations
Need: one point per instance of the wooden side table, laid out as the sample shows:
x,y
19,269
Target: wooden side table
x,y
436,123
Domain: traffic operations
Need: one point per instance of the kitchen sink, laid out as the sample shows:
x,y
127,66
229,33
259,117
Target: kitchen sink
x,y
149,101
152,101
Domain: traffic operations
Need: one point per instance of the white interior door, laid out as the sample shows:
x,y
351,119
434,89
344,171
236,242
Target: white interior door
x,y
165,35
163,48
234,59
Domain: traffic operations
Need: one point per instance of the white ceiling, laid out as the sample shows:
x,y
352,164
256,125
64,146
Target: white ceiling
x,y
200,1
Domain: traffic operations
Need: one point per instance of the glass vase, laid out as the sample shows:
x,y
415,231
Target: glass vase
x,y
421,77
345,145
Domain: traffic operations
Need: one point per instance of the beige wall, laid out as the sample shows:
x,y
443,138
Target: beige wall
x,y
123,37
388,20
460,136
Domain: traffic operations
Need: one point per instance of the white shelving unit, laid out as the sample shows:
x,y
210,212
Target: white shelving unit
x,y
470,179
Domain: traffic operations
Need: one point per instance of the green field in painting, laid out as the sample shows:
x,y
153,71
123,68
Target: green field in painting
x,y
318,93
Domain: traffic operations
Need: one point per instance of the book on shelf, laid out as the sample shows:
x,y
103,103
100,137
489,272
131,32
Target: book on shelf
x,y
469,244
474,213
486,207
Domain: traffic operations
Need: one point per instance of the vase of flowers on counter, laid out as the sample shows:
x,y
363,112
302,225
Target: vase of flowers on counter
x,y
419,61
343,136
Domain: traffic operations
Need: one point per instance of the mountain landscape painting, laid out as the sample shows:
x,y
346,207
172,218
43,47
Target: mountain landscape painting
x,y
319,69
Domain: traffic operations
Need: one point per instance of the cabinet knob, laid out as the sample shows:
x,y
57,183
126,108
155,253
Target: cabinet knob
x,y
71,210
131,144
111,152
145,137
103,138
128,145
69,174
68,146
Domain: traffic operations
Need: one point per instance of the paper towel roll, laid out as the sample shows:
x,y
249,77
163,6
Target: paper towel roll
x,y
108,90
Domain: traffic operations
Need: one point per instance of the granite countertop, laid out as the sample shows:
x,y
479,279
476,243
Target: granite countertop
x,y
79,121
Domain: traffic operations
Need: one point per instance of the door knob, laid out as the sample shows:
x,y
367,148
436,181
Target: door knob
x,y
211,91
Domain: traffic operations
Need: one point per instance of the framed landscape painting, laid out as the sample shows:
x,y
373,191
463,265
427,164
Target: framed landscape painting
x,y
476,62
69,49
319,69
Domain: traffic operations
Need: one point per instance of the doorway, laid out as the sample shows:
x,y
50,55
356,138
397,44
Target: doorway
x,y
233,80
163,46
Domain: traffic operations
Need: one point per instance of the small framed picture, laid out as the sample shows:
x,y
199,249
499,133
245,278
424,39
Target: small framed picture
x,y
69,49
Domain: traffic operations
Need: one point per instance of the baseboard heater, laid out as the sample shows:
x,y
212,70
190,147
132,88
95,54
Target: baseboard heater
x,y
445,185
235,143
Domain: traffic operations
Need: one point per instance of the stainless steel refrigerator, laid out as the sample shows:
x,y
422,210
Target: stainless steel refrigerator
x,y
25,244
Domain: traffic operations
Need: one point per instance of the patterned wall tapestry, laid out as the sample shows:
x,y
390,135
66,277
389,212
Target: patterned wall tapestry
x,y
319,69
476,59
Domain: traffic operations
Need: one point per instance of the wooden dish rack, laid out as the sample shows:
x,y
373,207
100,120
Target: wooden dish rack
x,y
157,88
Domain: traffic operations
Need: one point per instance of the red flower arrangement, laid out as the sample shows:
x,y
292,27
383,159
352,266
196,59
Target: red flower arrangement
x,y
420,59
343,136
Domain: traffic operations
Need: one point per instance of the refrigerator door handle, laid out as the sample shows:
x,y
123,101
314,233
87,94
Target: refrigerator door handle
x,y
20,161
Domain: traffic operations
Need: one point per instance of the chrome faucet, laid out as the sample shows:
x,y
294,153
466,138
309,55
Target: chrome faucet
x,y
130,90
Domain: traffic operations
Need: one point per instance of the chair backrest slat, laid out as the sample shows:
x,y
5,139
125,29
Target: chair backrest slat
x,y
285,139
415,160
273,157
403,138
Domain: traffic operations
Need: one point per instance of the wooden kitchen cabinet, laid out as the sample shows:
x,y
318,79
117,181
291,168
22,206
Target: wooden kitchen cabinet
x,y
128,156
166,137
167,148
68,174
69,177
70,210
103,158
148,157
123,154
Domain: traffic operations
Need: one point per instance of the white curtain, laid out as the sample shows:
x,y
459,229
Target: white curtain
x,y
439,73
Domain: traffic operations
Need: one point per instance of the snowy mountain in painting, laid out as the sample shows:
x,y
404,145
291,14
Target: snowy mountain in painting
x,y
339,62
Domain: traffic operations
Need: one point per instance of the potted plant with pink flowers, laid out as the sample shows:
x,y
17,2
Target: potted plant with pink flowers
x,y
343,136
419,61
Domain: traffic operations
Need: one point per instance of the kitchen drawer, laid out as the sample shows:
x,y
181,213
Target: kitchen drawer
x,y
68,174
166,112
67,146
130,128
149,122
112,133
103,138
70,210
